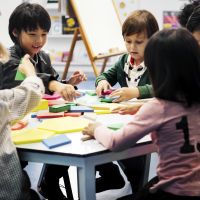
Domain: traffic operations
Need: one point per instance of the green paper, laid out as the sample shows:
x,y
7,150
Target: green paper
x,y
107,100
91,93
115,126
59,108
20,76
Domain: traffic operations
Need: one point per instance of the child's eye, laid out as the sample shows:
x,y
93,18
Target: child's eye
x,y
128,41
139,42
32,34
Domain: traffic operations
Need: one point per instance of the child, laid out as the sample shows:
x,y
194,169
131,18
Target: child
x,y
15,104
172,58
29,25
130,72
189,17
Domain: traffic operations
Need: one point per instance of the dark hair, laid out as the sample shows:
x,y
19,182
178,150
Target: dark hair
x,y
28,17
140,21
172,58
193,23
189,16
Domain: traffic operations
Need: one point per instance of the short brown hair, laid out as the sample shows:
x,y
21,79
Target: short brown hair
x,y
140,21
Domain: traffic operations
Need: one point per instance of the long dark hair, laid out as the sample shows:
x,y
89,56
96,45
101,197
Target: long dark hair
x,y
172,58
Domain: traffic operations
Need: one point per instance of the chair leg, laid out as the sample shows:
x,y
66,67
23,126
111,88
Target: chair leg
x,y
43,171
68,186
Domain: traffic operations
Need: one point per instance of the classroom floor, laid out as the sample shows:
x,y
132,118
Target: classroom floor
x,y
34,169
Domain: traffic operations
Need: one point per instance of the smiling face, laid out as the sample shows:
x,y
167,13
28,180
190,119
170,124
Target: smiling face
x,y
135,45
32,41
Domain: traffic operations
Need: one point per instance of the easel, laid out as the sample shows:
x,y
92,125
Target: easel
x,y
78,35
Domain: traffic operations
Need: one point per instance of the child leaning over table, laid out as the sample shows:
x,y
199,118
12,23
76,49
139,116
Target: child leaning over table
x,y
131,73
15,104
172,58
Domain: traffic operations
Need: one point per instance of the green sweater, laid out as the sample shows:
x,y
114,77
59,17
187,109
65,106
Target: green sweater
x,y
116,74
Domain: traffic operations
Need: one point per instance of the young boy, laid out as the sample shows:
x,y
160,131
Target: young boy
x,y
29,25
131,73
15,104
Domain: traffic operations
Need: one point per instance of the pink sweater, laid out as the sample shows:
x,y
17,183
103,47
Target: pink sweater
x,y
170,123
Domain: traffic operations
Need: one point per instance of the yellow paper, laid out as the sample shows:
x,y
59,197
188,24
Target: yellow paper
x,y
43,105
30,135
64,124
106,106
99,112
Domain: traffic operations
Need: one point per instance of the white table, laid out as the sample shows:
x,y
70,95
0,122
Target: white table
x,y
84,155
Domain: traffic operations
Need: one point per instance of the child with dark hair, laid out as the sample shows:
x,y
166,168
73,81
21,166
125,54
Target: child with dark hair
x,y
172,58
131,73
29,25
15,104
189,17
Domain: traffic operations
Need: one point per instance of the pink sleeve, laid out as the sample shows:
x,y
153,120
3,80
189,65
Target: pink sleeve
x,y
142,123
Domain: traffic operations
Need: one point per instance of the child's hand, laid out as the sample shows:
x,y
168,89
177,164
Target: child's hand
x,y
76,78
26,67
67,91
127,109
89,130
103,85
124,94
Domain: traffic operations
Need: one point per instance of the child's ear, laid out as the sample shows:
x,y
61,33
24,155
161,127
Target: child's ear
x,y
15,33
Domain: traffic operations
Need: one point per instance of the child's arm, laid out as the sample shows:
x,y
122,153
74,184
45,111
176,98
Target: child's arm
x,y
103,85
125,94
128,109
24,98
76,78
67,91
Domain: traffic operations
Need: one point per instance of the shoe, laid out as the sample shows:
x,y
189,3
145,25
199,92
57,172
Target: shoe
x,y
110,178
108,183
51,192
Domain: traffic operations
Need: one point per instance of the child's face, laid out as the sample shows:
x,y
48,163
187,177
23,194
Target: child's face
x,y
196,35
135,45
32,41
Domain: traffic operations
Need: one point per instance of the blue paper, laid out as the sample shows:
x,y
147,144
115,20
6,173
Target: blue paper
x,y
56,141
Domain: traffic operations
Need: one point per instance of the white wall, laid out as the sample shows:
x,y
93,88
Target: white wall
x,y
6,9
156,7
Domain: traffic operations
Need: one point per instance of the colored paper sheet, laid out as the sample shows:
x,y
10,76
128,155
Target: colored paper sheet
x,y
72,114
100,112
80,109
49,115
51,97
19,76
115,126
56,141
59,108
43,105
106,106
91,93
30,135
64,124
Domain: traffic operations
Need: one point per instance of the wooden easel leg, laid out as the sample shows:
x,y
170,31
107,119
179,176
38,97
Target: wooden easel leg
x,y
71,50
94,68
104,65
